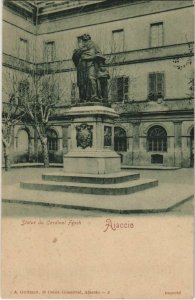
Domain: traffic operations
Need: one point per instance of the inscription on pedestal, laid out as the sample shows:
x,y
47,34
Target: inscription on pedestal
x,y
84,135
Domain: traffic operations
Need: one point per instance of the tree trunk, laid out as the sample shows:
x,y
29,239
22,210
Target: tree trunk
x,y
7,158
45,153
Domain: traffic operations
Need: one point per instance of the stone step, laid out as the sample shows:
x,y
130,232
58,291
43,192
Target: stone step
x,y
92,178
97,189
162,198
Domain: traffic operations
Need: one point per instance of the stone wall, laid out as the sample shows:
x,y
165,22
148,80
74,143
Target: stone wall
x,y
178,152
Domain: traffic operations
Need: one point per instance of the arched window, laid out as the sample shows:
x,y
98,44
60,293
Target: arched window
x,y
157,139
120,139
52,140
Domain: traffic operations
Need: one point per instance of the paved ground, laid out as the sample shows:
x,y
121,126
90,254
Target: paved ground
x,y
183,176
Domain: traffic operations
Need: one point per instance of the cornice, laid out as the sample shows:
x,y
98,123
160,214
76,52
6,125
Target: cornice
x,y
169,52
129,57
172,115
17,63
40,13
21,8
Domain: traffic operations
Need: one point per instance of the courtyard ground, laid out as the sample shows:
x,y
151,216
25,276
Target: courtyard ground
x,y
179,176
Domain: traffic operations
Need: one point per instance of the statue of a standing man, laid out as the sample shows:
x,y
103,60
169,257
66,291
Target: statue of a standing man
x,y
86,60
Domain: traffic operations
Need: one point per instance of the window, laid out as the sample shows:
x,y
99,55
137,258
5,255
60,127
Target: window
x,y
156,34
120,139
118,40
23,49
156,86
52,140
49,51
50,89
120,88
157,139
79,41
156,159
23,92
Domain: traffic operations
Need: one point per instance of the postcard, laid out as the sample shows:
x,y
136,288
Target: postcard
x,y
97,149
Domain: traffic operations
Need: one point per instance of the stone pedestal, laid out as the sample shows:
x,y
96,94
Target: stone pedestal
x,y
92,141
91,166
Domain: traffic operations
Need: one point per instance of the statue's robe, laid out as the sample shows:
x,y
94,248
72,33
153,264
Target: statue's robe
x,y
84,59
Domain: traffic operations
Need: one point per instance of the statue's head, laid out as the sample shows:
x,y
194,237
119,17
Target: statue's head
x,y
86,37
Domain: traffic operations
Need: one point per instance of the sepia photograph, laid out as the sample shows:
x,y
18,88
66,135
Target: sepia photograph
x,y
97,149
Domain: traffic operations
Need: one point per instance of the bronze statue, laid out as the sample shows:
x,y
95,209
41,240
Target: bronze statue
x,y
92,75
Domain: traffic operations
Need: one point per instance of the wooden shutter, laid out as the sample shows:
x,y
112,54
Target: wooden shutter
x,y
156,35
118,40
50,89
160,83
23,91
152,83
126,88
113,89
120,88
160,34
49,51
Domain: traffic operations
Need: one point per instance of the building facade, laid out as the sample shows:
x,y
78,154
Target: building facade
x,y
149,52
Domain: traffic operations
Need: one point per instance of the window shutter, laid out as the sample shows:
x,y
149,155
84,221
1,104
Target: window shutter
x,y
113,89
152,83
118,40
160,83
156,35
23,92
56,91
50,89
49,51
160,34
126,88
120,88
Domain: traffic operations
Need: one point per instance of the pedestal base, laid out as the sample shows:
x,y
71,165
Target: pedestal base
x,y
92,141
92,162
